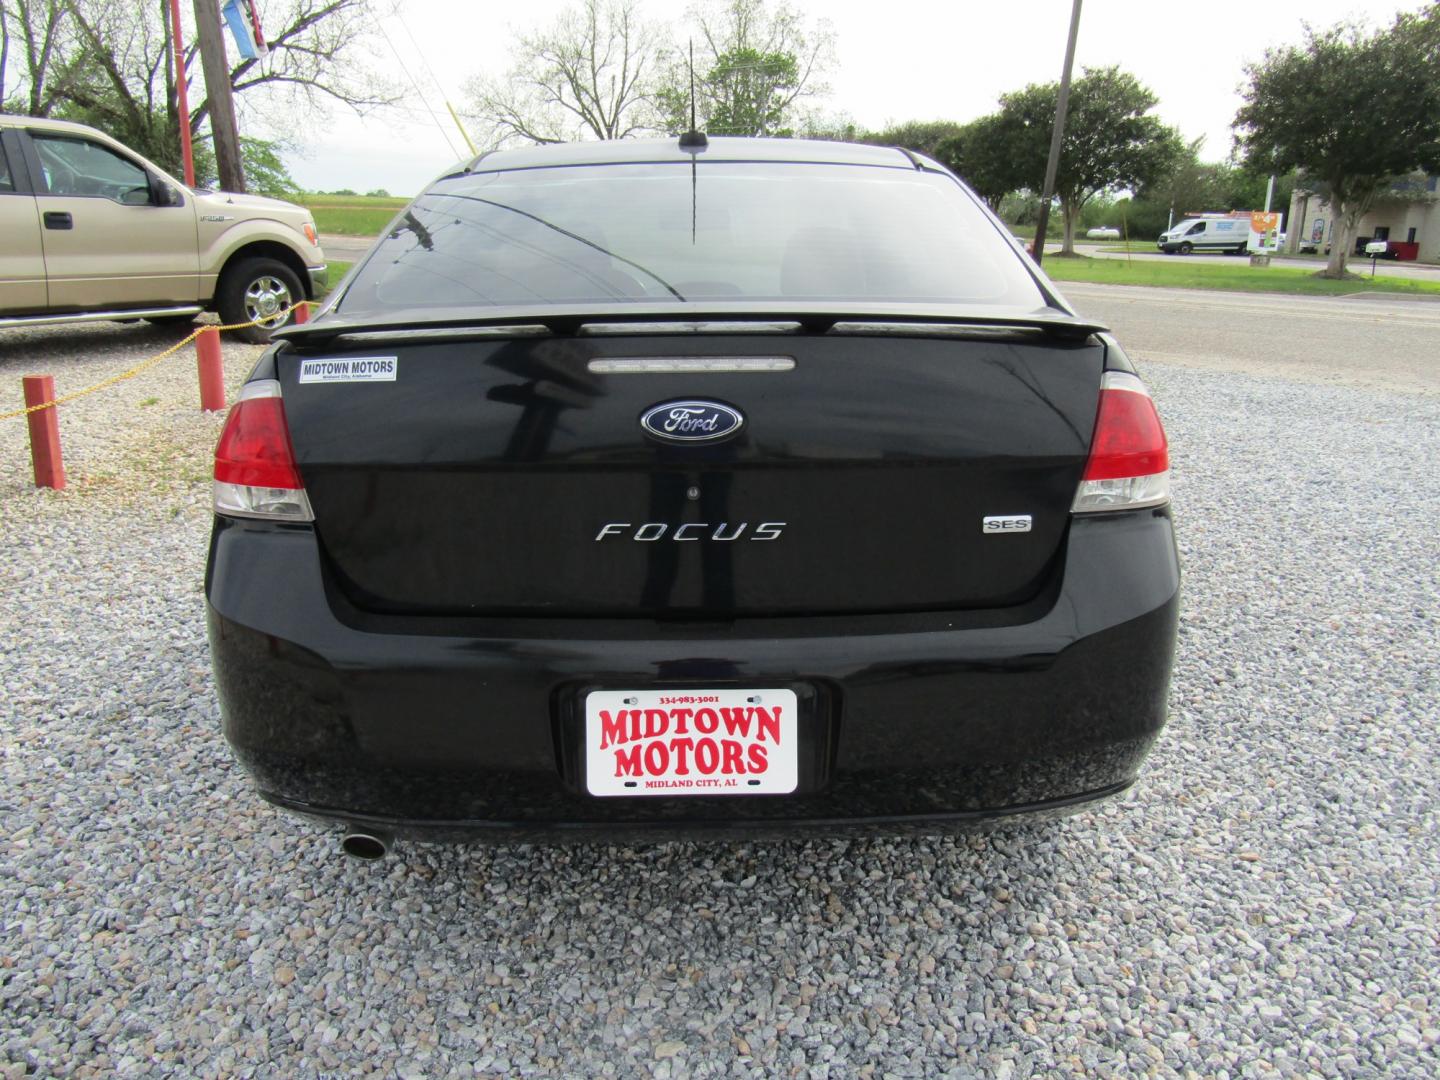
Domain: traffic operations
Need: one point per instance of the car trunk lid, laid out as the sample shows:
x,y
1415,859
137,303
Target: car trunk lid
x,y
489,475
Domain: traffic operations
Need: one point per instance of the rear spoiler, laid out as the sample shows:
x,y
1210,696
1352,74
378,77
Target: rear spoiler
x,y
566,322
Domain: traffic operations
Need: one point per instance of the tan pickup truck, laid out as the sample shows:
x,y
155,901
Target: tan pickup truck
x,y
89,230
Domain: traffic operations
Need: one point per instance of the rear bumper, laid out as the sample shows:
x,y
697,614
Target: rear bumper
x,y
450,728
698,827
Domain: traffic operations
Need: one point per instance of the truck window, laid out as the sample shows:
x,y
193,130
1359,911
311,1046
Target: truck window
x,y
77,167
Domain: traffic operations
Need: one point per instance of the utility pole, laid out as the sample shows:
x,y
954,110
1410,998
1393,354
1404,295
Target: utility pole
x,y
1052,166
217,88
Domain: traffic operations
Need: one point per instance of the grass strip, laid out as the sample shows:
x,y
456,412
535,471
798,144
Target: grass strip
x,y
351,221
337,271
1220,273
351,215
363,202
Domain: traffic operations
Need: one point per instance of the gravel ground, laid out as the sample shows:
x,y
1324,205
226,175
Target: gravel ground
x,y
1264,903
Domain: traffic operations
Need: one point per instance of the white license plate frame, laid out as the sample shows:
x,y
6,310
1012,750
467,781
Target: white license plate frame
x,y
700,748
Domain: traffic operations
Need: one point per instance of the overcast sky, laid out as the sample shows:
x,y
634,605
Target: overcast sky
x,y
897,60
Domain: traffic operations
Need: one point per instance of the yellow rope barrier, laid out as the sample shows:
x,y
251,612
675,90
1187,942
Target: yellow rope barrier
x,y
144,365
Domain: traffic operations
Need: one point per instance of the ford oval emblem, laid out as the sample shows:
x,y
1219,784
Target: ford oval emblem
x,y
691,421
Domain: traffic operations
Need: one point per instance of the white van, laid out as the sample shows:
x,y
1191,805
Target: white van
x,y
1230,235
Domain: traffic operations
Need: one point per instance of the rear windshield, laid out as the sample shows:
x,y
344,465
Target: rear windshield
x,y
662,232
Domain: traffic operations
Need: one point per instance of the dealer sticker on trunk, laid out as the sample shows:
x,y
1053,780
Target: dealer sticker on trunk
x,y
349,369
691,742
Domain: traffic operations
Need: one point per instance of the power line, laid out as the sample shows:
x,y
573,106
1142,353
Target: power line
x,y
416,85
425,60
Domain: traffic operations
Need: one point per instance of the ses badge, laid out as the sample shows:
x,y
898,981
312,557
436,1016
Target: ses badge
x,y
349,369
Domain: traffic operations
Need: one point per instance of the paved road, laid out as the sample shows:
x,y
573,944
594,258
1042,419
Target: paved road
x,y
1382,343
345,248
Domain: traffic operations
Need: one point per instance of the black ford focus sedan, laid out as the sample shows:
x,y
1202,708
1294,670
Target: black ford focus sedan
x,y
691,486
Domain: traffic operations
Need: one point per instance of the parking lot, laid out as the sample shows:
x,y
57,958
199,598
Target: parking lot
x,y
1263,903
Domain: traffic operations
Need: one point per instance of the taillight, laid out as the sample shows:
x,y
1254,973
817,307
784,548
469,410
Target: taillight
x,y
1129,464
255,473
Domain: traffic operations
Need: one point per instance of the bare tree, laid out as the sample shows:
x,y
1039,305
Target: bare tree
x,y
588,76
43,31
318,50
109,64
4,51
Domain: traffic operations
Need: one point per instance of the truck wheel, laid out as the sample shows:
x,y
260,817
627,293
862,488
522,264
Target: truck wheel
x,y
257,289
1186,248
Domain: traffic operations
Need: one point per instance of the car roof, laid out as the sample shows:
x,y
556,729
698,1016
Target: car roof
x,y
12,120
718,148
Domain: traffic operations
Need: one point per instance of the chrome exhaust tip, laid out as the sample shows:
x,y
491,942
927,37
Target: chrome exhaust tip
x,y
367,846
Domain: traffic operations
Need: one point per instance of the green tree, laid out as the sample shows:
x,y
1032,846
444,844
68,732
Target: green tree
x,y
1189,186
1353,111
830,127
1101,210
971,151
265,172
1193,186
981,154
749,92
922,136
1244,189
1111,140
756,67
1020,208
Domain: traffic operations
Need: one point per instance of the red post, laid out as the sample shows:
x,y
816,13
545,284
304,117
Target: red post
x,y
182,99
44,432
302,312
212,370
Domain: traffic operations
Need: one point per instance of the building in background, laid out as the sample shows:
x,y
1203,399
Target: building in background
x,y
1407,216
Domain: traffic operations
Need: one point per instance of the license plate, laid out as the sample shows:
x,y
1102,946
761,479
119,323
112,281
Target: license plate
x,y
691,742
